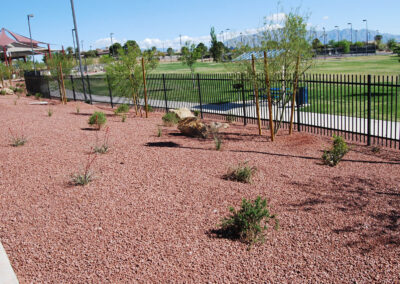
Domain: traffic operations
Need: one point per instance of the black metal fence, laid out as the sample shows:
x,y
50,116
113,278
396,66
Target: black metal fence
x,y
361,108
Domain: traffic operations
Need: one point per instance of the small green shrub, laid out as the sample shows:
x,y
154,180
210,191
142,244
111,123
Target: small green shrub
x,y
150,108
218,142
78,110
123,118
17,140
249,223
28,94
3,92
104,146
97,119
49,112
159,132
241,173
19,90
86,176
376,149
38,96
196,113
170,119
124,108
339,149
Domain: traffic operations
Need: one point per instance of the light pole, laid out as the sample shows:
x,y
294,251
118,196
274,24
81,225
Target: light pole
x,y
324,41
338,35
112,49
30,35
351,32
366,43
227,31
73,41
79,51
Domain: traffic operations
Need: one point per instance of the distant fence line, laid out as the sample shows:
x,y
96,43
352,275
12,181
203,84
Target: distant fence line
x,y
363,108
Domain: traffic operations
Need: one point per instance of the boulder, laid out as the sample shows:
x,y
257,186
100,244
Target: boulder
x,y
192,126
8,91
216,126
182,113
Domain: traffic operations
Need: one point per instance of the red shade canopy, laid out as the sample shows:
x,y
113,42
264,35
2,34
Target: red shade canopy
x,y
6,40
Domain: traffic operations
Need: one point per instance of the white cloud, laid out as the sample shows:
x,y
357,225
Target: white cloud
x,y
175,43
325,18
276,18
106,42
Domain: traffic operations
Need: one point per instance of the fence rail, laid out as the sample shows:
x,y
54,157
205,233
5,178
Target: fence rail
x,y
362,108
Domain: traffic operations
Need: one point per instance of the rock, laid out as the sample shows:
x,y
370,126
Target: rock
x,y
8,91
182,113
216,126
192,126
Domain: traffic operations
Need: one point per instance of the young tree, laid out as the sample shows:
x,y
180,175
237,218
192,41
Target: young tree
x,y
391,44
60,66
217,48
190,55
126,74
115,48
287,43
202,49
170,51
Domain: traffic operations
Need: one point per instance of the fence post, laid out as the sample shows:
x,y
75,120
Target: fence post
x,y
110,91
165,93
73,87
298,118
201,105
244,101
90,91
369,112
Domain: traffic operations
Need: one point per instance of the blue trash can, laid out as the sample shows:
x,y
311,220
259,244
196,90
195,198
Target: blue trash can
x,y
302,96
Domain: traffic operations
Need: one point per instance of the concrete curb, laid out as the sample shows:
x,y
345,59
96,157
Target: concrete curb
x,y
7,275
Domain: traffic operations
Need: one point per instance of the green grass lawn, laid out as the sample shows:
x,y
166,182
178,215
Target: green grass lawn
x,y
374,65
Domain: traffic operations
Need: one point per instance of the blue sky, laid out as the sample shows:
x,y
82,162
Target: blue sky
x,y
156,22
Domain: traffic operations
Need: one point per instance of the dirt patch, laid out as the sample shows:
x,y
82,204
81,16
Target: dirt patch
x,y
148,214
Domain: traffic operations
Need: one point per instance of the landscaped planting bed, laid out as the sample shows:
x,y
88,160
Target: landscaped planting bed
x,y
152,209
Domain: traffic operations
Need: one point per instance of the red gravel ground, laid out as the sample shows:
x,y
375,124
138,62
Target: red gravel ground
x,y
149,214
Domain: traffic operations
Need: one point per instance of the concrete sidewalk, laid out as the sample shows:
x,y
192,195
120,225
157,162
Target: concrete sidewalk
x,y
7,275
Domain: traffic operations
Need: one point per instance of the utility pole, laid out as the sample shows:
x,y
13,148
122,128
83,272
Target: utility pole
x,y
366,43
324,41
30,34
73,41
79,51
180,40
112,49
351,32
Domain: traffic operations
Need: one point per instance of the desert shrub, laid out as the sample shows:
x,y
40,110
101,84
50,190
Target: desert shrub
x,y
49,112
217,141
17,139
376,149
196,113
123,118
97,119
250,221
78,110
170,119
38,95
150,108
103,147
124,108
241,173
159,132
3,92
86,176
18,90
333,156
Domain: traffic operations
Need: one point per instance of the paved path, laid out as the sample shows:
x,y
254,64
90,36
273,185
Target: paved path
x,y
379,128
7,275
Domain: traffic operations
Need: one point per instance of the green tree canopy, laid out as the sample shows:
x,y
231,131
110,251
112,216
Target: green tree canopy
x,y
170,51
190,55
217,48
115,48
202,49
